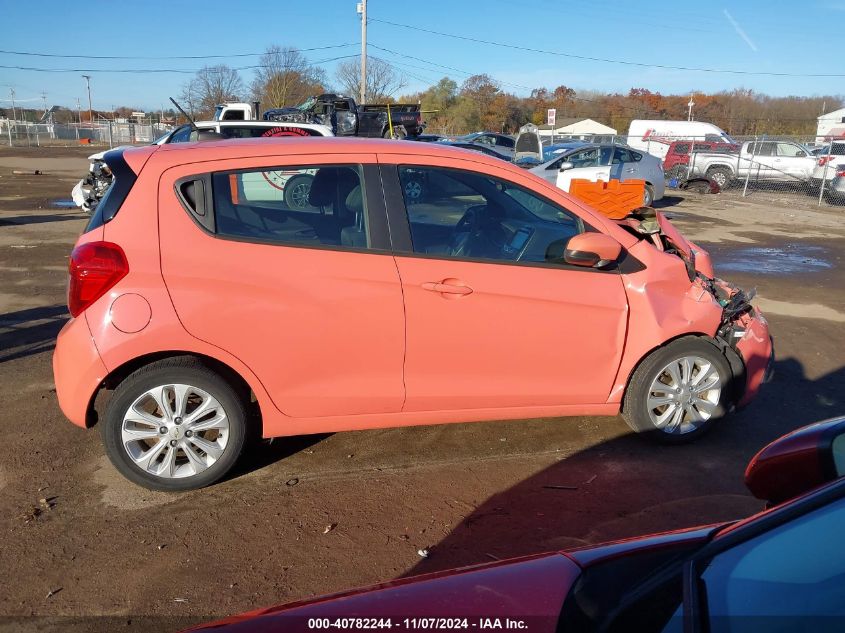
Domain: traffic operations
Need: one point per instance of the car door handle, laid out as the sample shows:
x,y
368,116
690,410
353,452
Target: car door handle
x,y
447,287
630,170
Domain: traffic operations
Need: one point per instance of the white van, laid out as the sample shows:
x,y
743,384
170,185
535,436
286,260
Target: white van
x,y
655,137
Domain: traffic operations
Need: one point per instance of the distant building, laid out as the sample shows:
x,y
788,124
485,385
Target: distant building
x,y
582,129
831,125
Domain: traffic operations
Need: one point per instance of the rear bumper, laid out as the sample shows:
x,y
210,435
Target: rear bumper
x,y
758,354
78,370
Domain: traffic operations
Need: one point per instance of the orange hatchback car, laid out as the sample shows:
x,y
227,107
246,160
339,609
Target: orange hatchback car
x,y
410,284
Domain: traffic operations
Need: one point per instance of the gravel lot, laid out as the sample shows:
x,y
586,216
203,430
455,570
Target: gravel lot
x,y
79,540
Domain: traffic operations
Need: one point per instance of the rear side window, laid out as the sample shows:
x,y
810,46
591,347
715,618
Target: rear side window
x,y
122,180
297,206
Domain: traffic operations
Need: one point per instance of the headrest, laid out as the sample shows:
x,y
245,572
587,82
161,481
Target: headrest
x,y
329,183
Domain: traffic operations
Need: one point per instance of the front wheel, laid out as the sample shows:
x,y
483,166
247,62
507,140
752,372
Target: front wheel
x,y
678,392
174,425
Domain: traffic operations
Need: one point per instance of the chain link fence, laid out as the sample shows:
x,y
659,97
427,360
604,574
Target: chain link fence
x,y
109,133
785,169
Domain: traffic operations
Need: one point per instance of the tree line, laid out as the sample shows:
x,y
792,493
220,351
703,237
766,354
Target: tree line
x,y
286,77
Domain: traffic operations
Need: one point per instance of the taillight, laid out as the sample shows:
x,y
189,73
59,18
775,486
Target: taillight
x,y
840,171
825,159
94,269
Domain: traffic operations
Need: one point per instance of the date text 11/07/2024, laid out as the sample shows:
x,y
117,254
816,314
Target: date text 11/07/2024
x,y
418,623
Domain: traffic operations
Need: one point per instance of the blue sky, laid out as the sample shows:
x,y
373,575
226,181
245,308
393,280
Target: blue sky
x,y
751,35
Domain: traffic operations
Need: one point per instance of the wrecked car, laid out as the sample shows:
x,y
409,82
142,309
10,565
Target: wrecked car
x,y
495,295
347,118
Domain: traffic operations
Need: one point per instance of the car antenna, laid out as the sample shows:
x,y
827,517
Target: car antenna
x,y
185,114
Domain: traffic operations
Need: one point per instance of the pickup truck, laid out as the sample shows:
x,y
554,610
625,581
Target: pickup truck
x,y
346,118
759,160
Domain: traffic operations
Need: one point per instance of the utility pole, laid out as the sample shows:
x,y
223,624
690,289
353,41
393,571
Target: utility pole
x,y
690,105
362,9
44,100
90,109
12,93
78,111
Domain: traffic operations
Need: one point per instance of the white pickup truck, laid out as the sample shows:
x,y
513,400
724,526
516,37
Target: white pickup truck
x,y
765,160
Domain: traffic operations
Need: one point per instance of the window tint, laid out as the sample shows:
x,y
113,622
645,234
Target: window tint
x,y
309,206
797,569
763,149
621,155
181,135
462,214
504,141
636,156
681,148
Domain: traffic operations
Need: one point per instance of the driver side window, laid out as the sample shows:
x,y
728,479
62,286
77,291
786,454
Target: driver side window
x,y
468,215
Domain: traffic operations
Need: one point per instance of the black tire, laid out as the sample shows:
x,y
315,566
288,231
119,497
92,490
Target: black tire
x,y
180,370
295,189
635,407
648,196
399,132
722,176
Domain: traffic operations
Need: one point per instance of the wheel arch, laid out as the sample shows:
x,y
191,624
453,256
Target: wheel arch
x,y
734,361
713,166
120,373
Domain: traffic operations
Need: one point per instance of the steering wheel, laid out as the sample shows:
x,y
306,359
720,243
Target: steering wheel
x,y
466,227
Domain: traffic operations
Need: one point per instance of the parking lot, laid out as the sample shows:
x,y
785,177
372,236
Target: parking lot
x,y
311,515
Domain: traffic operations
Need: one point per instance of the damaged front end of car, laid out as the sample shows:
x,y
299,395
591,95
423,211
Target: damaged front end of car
x,y
742,332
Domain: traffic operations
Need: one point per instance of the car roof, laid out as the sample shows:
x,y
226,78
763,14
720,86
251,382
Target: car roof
x,y
182,153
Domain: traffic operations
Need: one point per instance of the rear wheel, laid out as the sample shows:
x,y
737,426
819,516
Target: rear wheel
x,y
678,392
648,196
296,192
174,425
722,176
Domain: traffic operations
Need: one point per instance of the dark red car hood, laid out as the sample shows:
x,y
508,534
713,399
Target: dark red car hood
x,y
531,589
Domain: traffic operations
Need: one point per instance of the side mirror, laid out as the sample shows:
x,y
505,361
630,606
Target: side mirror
x,y
566,165
798,462
591,250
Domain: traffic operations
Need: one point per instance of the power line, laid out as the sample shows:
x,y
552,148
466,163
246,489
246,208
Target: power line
x,y
606,60
183,71
302,50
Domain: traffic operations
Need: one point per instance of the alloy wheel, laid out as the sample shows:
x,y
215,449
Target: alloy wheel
x,y
684,395
174,431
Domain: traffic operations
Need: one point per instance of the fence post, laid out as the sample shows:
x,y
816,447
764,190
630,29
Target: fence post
x,y
824,173
691,160
110,137
750,164
9,129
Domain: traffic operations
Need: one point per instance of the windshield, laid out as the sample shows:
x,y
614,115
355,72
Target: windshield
x,y
307,104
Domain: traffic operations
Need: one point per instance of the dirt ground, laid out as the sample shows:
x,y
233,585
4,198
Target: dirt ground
x,y
78,540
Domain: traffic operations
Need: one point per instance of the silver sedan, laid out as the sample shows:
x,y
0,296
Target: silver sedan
x,y
605,162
